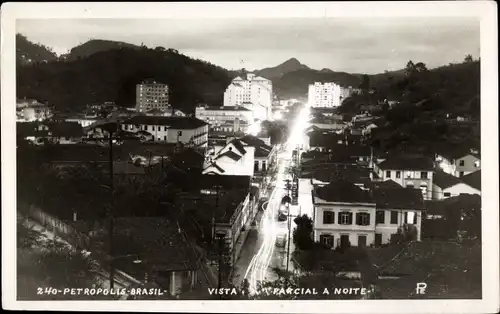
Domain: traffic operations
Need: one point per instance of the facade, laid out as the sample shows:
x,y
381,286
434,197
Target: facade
x,y
265,155
416,172
397,207
151,95
447,185
233,159
324,95
254,93
458,164
186,130
225,118
343,215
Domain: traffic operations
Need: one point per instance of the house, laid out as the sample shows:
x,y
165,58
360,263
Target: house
x,y
264,156
328,123
54,132
161,245
343,214
226,118
447,185
397,206
473,180
231,207
186,130
407,171
232,159
458,161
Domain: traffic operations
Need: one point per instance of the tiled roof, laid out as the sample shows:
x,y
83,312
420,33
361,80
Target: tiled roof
x,y
229,154
321,139
227,108
407,163
252,140
473,179
397,198
227,182
387,184
454,151
160,241
180,123
262,151
445,180
188,158
239,146
340,190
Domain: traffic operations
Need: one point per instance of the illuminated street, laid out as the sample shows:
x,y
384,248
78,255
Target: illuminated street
x,y
269,255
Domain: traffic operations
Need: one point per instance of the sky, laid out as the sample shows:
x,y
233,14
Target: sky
x,y
350,44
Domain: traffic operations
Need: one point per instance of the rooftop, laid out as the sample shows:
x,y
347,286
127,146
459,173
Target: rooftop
x,y
226,108
400,198
473,179
342,191
182,123
445,180
407,163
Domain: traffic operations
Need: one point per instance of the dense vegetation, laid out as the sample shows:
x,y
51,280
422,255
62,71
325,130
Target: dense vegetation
x,y
28,52
93,46
112,75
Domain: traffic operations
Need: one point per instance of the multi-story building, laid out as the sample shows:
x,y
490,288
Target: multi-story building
x,y
408,171
225,118
187,130
343,215
151,95
396,207
254,93
324,95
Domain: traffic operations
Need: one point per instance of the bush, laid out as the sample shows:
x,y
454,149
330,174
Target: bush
x,y
405,234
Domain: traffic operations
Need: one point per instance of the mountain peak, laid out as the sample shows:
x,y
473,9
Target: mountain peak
x,y
289,65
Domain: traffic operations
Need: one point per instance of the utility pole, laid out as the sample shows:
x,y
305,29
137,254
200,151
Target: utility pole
x,y
220,239
111,222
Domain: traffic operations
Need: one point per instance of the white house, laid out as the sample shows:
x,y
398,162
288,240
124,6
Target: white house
x,y
233,159
416,172
187,130
254,93
447,185
397,207
343,213
225,118
265,155
459,162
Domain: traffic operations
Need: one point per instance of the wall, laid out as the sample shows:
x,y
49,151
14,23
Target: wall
x,y
455,190
468,166
387,229
404,181
336,229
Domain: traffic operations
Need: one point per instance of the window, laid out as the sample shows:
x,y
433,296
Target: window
x,y
179,133
388,173
328,217
461,174
423,175
361,240
345,218
326,239
394,217
477,163
363,219
398,174
409,185
165,138
153,127
380,217
461,163
378,239
165,128
447,194
256,165
263,166
410,174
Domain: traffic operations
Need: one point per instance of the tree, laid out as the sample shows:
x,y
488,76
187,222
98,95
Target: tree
x,y
302,234
410,68
420,67
27,237
468,59
405,234
365,84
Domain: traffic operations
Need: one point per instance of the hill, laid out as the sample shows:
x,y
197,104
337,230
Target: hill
x,y
28,52
93,46
112,75
278,71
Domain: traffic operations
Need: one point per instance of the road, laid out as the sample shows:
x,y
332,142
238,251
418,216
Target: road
x,y
260,254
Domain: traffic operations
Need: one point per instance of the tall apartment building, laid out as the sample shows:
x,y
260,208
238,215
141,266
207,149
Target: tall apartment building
x,y
324,95
254,93
151,95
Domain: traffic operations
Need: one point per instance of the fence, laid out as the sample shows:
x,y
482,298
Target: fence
x,y
59,228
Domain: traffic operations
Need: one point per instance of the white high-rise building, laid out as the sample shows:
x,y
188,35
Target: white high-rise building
x,y
254,93
325,95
